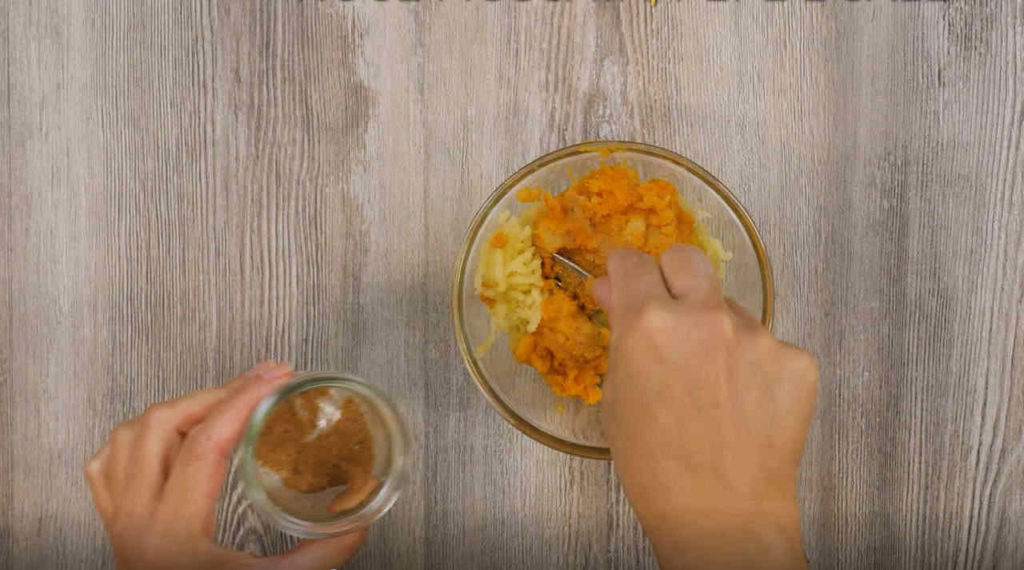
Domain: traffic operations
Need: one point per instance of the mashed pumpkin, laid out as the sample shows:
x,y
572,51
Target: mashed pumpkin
x,y
607,208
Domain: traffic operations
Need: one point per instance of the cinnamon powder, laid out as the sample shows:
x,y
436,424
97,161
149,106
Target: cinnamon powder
x,y
312,447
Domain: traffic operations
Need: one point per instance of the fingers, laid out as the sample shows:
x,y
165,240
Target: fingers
x,y
261,369
133,465
742,315
161,430
318,554
198,472
95,475
690,275
120,462
358,489
635,280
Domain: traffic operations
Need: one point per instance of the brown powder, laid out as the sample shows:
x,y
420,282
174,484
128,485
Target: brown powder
x,y
311,460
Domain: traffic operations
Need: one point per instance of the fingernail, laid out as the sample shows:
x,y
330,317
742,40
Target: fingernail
x,y
260,368
601,289
278,370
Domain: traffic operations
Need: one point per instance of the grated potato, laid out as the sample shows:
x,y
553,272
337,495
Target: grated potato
x,y
508,280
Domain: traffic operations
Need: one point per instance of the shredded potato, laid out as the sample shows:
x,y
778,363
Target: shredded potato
x,y
508,280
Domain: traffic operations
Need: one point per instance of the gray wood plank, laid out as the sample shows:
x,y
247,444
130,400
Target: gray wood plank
x,y
57,341
6,381
324,225
190,187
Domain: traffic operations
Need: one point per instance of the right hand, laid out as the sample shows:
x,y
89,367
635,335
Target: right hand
x,y
705,413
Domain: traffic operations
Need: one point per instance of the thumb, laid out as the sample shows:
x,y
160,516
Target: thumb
x,y
323,554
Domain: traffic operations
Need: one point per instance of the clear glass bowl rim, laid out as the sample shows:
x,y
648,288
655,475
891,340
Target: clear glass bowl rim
x,y
461,271
381,503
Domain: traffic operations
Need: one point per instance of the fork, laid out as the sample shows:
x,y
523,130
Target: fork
x,y
597,317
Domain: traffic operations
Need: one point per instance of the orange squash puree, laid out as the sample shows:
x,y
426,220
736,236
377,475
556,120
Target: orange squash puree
x,y
528,194
605,209
568,350
609,208
498,240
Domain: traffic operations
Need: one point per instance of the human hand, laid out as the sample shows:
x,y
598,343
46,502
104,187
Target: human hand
x,y
156,481
705,413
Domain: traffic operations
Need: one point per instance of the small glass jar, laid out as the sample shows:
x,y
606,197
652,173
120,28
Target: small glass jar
x,y
306,515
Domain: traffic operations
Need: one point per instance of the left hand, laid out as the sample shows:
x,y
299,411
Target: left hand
x,y
156,482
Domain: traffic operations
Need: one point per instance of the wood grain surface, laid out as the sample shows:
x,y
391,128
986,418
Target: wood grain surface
x,y
193,186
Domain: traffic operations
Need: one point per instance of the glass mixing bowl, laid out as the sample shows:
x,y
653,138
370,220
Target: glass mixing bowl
x,y
517,391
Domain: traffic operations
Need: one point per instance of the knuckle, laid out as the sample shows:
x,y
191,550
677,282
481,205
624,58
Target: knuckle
x,y
122,433
763,340
807,365
157,415
203,443
799,359
92,468
718,323
802,366
647,312
652,315
808,362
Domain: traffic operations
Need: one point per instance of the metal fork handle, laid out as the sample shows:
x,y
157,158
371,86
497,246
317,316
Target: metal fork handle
x,y
566,262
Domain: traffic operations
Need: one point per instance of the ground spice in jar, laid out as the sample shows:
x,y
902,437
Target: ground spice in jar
x,y
313,444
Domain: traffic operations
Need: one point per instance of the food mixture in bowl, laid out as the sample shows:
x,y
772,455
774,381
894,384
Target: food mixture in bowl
x,y
547,311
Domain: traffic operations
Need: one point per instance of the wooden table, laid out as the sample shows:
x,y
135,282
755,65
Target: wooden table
x,y
190,187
